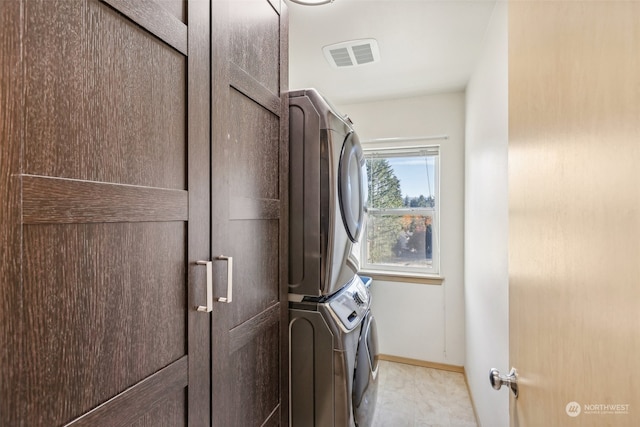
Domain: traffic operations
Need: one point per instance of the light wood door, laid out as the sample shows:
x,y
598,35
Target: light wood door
x,y
574,212
105,209
249,193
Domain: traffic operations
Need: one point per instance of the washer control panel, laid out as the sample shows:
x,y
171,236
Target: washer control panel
x,y
351,304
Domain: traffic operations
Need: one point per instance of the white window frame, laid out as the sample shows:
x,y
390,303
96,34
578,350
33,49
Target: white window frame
x,y
434,270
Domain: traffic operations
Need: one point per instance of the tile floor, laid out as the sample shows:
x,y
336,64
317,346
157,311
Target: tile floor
x,y
413,396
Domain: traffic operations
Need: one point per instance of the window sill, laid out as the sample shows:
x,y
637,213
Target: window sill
x,y
403,277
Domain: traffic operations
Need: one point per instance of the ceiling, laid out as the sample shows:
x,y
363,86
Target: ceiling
x,y
426,46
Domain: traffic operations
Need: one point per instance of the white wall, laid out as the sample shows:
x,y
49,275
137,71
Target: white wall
x,y
424,322
486,225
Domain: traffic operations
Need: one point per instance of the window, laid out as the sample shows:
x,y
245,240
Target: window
x,y
402,226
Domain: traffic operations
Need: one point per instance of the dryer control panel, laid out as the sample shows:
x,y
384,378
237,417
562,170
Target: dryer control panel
x,y
350,305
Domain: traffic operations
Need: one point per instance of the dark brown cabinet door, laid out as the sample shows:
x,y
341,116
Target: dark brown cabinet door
x,y
249,193
105,211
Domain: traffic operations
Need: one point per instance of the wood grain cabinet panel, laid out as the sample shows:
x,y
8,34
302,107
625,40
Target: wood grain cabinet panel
x,y
250,189
138,138
254,41
105,99
106,209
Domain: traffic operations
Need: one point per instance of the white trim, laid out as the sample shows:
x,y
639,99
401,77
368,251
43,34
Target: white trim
x,y
403,139
432,270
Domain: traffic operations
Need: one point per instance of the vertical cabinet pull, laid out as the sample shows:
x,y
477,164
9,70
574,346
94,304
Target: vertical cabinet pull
x,y
229,296
209,264
209,307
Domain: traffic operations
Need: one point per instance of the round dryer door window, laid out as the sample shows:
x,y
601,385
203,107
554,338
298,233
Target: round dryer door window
x,y
351,186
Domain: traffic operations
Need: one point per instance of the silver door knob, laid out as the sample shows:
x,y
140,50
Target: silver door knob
x,y
497,380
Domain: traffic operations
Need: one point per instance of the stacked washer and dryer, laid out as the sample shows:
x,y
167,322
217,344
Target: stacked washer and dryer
x,y
333,346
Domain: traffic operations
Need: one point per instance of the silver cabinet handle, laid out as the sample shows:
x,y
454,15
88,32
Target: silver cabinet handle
x,y
209,307
229,296
497,380
209,264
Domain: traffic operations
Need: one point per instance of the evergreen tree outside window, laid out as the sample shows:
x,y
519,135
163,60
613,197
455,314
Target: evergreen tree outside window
x,y
402,226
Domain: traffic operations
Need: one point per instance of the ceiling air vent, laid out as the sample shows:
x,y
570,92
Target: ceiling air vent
x,y
352,53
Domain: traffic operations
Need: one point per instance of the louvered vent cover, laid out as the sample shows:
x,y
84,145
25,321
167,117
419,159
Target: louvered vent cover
x,y
352,53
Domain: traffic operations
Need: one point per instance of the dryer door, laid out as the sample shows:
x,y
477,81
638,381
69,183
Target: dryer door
x,y
352,191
